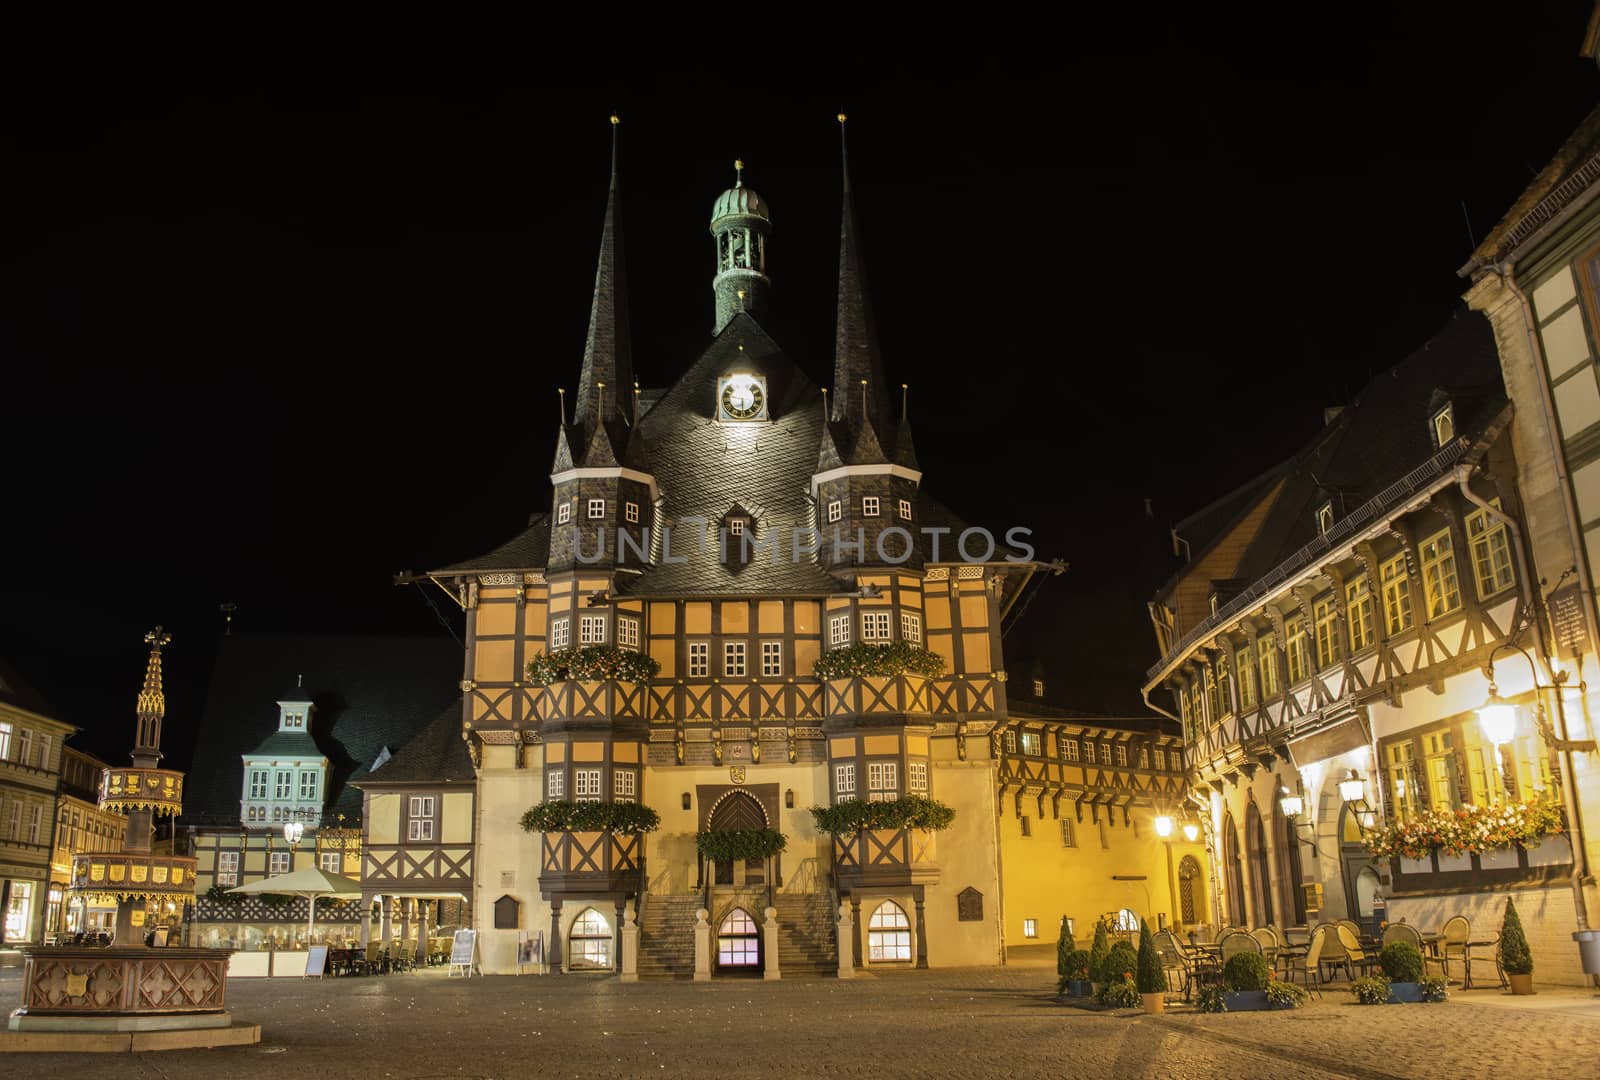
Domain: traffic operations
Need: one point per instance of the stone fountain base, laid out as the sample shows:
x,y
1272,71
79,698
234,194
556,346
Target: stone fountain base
x,y
124,996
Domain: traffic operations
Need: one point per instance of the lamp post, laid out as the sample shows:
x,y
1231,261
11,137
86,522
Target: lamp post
x,y
1164,824
292,832
1498,720
1353,790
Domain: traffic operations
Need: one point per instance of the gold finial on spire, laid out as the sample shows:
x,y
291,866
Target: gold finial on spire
x,y
843,118
905,400
152,701
615,119
562,391
738,172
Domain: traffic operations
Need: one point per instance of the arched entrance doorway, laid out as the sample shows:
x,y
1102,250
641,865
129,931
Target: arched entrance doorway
x,y
1191,892
1260,875
1233,871
738,944
589,944
1355,865
738,811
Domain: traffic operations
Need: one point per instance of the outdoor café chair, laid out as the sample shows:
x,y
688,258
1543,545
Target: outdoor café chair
x,y
1309,966
1171,955
1268,937
1355,957
1236,943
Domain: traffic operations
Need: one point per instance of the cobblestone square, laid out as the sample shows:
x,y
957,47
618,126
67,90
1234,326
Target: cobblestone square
x,y
959,1023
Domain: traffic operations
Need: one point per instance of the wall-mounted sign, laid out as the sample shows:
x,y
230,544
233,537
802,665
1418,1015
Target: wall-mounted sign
x,y
1566,617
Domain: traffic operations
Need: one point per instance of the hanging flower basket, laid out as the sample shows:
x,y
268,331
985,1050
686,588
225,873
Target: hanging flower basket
x,y
592,663
864,658
558,816
906,812
1456,831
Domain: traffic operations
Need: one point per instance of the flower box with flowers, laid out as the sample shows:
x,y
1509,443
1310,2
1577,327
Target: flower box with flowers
x,y
1458,832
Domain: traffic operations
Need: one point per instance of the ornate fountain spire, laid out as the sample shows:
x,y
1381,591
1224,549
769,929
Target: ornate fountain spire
x,y
152,701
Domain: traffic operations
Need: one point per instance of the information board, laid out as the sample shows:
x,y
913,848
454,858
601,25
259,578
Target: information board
x,y
462,951
317,961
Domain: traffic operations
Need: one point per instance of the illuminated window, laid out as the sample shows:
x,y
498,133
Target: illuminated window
x,y
627,632
875,626
1030,928
838,630
883,781
560,632
869,506
917,776
1439,574
591,629
888,934
1244,678
844,780
1067,838
733,658
1030,743
1491,552
278,863
1325,517
699,659
736,526
1396,594
1214,690
597,509
1298,651
1439,765
1011,742
1326,617
771,658
1267,648
738,941
586,785
1122,753
905,509
563,513
590,942
1358,609
624,785
835,510
555,784
1069,749
228,868
911,630
630,513
1444,426
1533,767
419,815
1105,753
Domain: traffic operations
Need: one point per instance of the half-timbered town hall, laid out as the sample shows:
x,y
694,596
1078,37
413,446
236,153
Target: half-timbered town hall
x,y
686,628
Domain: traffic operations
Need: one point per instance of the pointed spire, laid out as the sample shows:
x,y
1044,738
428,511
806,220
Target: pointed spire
x,y
607,352
152,705
856,357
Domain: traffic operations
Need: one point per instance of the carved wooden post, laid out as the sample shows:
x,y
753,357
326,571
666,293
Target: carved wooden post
x,y
702,946
630,945
769,944
846,935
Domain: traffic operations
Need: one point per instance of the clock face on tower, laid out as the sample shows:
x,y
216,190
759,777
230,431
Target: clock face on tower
x,y
741,398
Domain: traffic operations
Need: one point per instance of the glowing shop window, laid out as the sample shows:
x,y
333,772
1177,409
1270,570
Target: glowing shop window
x,y
590,942
888,934
1030,928
738,941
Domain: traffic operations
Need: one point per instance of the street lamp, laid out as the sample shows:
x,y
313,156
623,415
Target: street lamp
x,y
1164,825
1498,718
1290,803
292,832
1191,831
1352,788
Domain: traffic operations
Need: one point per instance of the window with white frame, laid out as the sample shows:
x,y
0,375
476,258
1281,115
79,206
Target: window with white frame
x,y
591,629
1161,759
733,658
597,509
35,823
5,739
1491,552
699,659
1105,753
838,630
1144,757
624,785
1030,743
1030,928
869,506
904,507
44,751
24,746
555,784
308,785
883,781
1069,749
844,779
1011,742
1067,839
627,632
1122,753
917,776
835,510
736,526
888,934
911,627
771,658
228,868
561,632
1444,426
1440,585
419,815
630,513
258,783
563,513
586,785
278,863
332,862
285,786
874,626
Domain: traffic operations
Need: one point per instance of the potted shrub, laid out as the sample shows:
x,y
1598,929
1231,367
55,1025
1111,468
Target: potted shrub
x,y
1065,947
1120,993
1077,981
1515,957
1246,976
1282,994
1152,977
1098,951
1402,962
1371,990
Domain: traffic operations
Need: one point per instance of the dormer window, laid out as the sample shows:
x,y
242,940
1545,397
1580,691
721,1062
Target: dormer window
x,y
1038,688
905,509
736,526
563,513
1444,427
869,506
1325,518
597,509
835,510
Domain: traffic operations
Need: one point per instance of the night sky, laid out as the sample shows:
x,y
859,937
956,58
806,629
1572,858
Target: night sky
x,y
285,306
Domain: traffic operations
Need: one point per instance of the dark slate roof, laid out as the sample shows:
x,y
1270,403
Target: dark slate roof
x,y
16,692
287,744
370,693
528,550
1382,435
437,752
1573,170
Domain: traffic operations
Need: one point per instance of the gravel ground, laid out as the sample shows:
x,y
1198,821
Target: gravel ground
x,y
965,1023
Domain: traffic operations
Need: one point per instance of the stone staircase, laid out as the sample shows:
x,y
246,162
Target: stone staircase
x,y
666,936
807,934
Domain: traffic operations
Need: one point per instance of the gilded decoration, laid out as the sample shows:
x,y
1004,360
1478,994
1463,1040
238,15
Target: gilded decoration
x,y
158,790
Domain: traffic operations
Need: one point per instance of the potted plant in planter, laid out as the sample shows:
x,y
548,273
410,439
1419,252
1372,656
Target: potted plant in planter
x,y
1515,957
1152,978
1118,988
1098,951
1402,962
1245,975
1076,983
1065,947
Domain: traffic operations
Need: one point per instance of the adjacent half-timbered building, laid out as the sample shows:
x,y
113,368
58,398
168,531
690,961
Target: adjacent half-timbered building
x,y
1333,639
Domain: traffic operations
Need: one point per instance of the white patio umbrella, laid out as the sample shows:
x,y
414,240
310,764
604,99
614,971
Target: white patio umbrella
x,y
309,883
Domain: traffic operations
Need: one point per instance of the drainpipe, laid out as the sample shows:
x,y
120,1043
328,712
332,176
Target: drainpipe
x,y
1530,596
